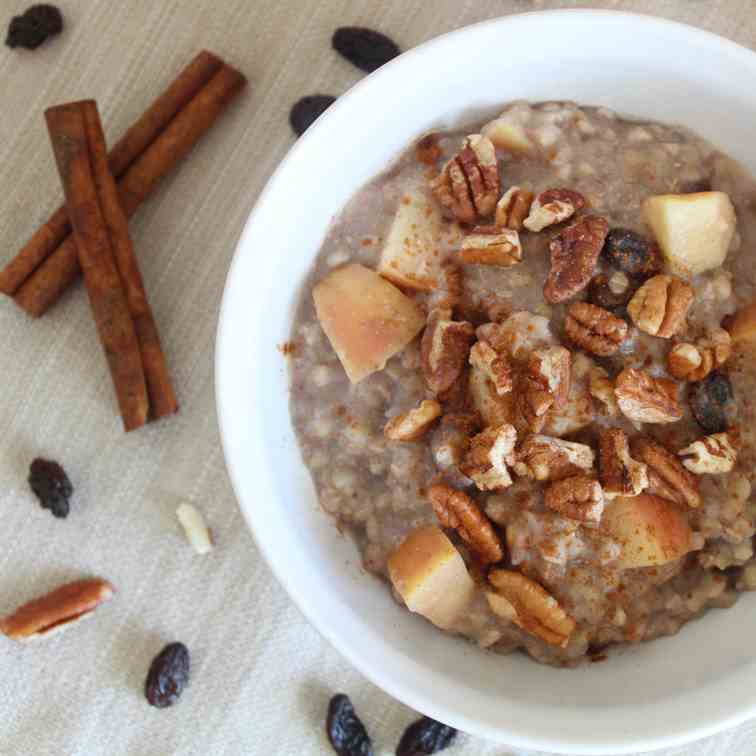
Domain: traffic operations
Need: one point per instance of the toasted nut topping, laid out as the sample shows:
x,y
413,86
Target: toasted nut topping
x,y
455,509
601,387
714,454
573,258
646,399
194,526
412,425
489,454
553,206
661,305
667,478
444,349
594,329
620,475
489,245
544,384
518,335
579,411
548,458
495,366
579,498
693,362
513,208
536,610
57,610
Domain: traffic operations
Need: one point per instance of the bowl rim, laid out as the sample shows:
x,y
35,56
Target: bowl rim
x,y
676,736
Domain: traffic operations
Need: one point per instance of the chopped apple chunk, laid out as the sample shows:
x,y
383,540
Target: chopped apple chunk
x,y
431,576
507,134
694,231
367,319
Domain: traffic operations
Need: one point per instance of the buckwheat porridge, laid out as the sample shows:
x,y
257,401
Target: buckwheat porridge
x,y
521,378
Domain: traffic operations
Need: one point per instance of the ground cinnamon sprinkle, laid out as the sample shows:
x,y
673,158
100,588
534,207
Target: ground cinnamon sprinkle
x,y
288,348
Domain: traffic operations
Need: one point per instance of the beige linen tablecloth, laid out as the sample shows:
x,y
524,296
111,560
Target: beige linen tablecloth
x,y
261,675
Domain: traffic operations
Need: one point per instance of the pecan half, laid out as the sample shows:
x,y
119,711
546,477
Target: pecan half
x,y
412,425
444,349
513,208
573,258
595,329
489,245
536,610
620,474
601,388
494,365
579,498
667,477
488,456
455,509
553,206
714,454
693,362
548,458
646,399
469,184
661,305
57,610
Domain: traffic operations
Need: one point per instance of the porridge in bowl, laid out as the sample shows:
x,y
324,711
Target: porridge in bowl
x,y
521,378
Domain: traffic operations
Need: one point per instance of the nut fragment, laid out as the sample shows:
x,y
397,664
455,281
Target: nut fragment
x,y
601,387
579,498
548,458
495,366
488,456
57,610
455,509
444,349
620,474
594,329
573,258
579,411
513,208
553,206
544,384
412,425
469,183
667,478
536,610
195,528
489,245
646,399
714,454
518,335
661,305
693,362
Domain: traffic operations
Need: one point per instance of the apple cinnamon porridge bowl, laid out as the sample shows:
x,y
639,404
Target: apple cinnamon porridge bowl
x,y
519,374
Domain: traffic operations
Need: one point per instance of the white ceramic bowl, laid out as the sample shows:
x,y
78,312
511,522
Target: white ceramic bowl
x,y
662,693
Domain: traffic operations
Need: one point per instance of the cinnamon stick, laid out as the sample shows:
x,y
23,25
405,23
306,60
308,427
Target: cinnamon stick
x,y
81,154
48,282
131,145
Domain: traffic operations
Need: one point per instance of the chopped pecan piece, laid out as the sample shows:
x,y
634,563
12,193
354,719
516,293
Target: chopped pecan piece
x,y
579,498
667,477
579,411
661,305
455,509
573,258
601,387
646,399
494,365
444,349
620,474
553,206
548,458
536,610
594,329
518,335
469,183
488,456
693,362
714,454
412,425
513,208
489,245
544,384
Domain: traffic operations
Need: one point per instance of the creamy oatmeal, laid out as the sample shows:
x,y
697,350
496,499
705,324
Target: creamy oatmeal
x,y
521,378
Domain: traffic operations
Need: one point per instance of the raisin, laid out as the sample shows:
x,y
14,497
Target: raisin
x,y
693,187
631,252
712,402
424,737
168,676
607,291
304,112
52,486
345,731
367,49
32,28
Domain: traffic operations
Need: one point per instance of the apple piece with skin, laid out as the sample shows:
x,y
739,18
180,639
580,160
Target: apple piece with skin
x,y
411,257
430,575
367,319
650,530
694,231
